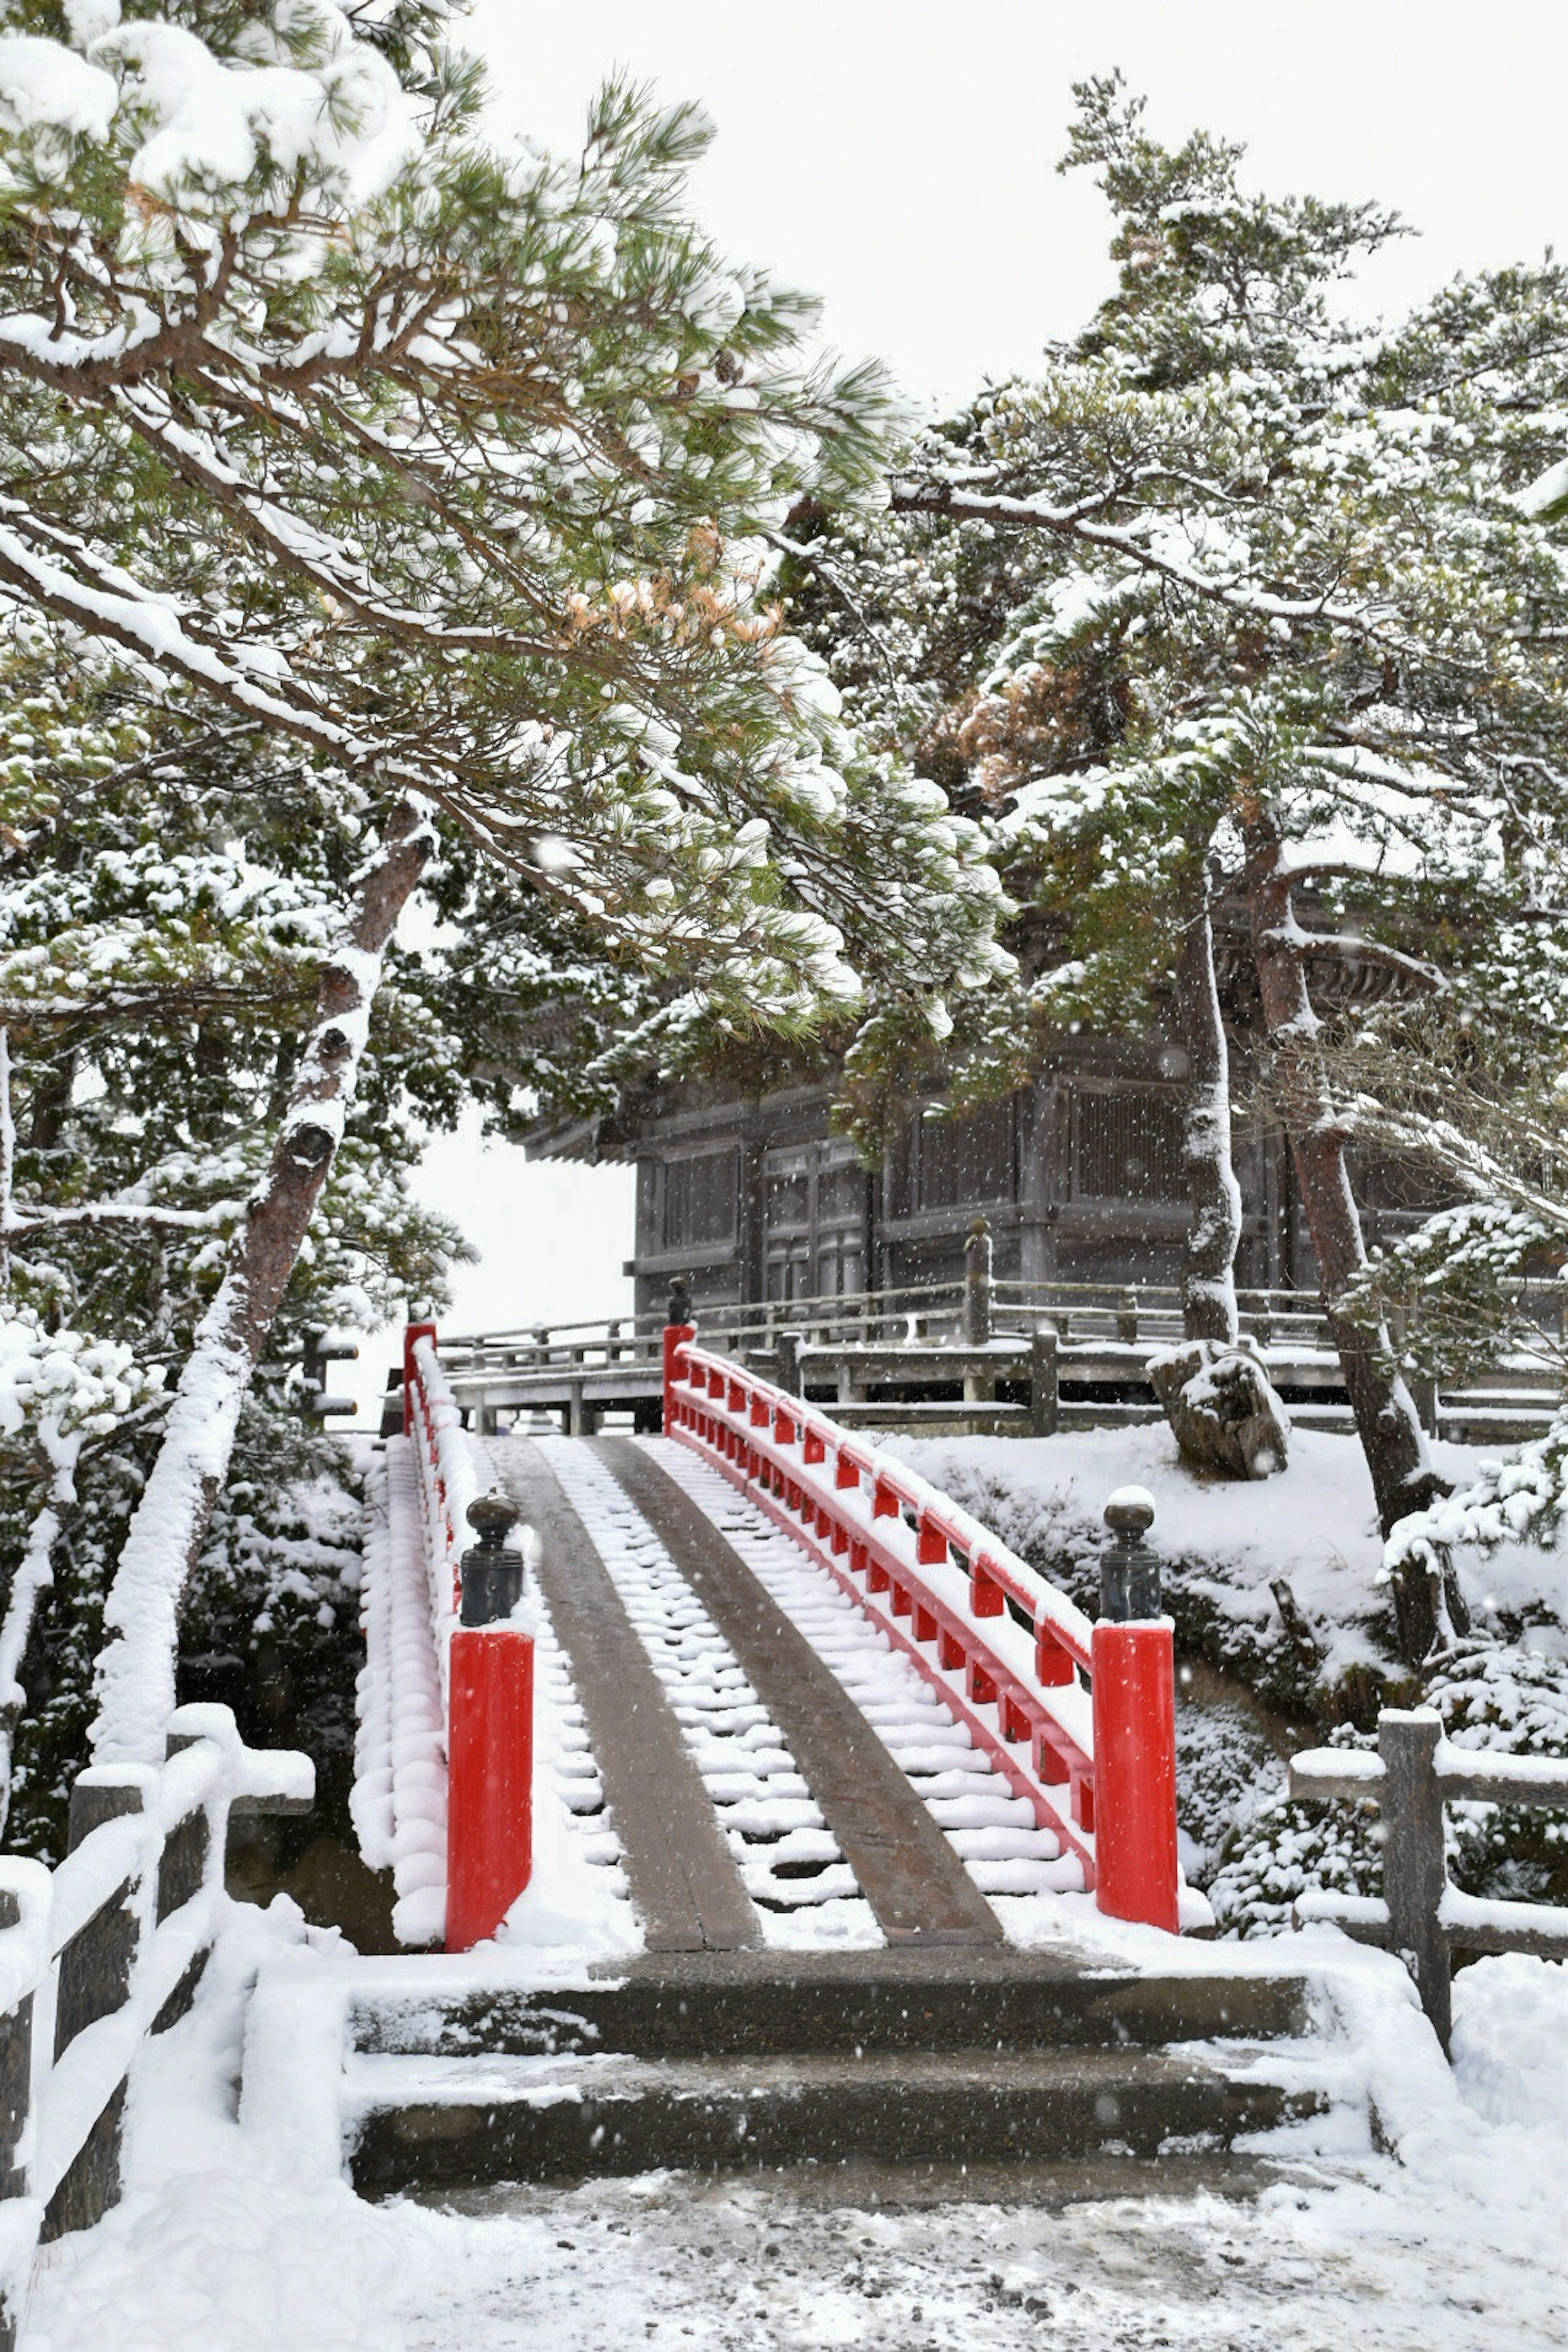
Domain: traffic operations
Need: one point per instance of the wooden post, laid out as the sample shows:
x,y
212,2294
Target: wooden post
x,y
1133,1694
182,1867
15,2099
490,1738
411,1335
977,1283
15,2070
1045,1399
1414,1875
94,1981
679,1334
791,1377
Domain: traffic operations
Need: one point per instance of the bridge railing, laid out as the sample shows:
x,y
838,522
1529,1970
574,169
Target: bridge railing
x,y
486,1666
432,1419
103,1949
1134,1314
1079,1717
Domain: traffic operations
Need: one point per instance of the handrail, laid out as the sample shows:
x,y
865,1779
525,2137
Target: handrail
x,y
1006,1654
746,1318
444,1484
110,1944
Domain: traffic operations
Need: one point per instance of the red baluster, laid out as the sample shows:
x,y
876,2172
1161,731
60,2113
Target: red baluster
x,y
930,1543
1053,1664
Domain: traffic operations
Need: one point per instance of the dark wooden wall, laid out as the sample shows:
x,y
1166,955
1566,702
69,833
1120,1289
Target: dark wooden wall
x,y
1080,1177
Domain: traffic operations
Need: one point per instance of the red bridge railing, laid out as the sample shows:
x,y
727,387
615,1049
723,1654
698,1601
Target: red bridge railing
x,y
1010,1655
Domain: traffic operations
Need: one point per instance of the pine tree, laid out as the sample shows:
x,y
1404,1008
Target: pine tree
x,y
446,464
1250,618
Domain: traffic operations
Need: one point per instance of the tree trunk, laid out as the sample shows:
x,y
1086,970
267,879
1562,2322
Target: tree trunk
x,y
1208,1267
1390,1434
135,1678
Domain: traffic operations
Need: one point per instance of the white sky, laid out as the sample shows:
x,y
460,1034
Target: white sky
x,y
898,157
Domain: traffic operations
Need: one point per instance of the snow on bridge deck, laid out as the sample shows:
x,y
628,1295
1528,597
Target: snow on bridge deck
x,y
731,1740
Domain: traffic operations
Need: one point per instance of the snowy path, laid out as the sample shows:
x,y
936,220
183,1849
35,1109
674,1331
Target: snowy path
x,y
993,1832
790,1864
231,2240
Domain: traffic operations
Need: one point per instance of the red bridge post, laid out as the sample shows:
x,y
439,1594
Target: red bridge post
x,y
489,1740
1134,1700
680,1330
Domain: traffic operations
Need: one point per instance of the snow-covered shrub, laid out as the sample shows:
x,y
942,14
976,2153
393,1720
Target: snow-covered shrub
x,y
1283,1850
271,1621
1509,1697
1227,1771
1502,1695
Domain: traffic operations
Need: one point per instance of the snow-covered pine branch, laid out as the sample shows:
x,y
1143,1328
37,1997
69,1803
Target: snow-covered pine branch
x,y
445,469
1233,608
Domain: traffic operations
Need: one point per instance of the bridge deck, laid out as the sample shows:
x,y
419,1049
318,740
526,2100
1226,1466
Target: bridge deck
x,y
907,1869
683,1878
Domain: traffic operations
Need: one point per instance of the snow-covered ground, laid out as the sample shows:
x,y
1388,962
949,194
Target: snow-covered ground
x,y
238,2233
1312,1525
238,2236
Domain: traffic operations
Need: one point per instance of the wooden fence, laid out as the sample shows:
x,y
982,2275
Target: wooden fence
x,y
1421,1915
1029,1357
103,1949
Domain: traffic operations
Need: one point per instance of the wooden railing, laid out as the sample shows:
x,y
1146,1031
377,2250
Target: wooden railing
x,y
1077,1718
485,1662
432,1420
103,1949
1136,1315
1035,1337
1420,1913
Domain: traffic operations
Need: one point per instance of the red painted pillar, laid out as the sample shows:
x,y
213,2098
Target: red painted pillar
x,y
677,1336
411,1335
1134,1694
490,1779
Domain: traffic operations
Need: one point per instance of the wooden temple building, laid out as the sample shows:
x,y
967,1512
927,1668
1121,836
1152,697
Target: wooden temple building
x,y
1079,1176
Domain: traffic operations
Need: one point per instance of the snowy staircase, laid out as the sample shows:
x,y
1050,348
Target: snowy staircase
x,y
753,2060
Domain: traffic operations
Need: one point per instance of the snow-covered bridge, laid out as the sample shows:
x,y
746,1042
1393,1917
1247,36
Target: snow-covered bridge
x,y
861,1835
786,1818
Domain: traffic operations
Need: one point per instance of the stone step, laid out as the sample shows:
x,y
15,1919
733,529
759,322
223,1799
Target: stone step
x,y
421,2123
771,2004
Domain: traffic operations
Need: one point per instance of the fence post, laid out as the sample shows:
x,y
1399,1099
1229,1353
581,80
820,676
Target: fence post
x,y
1134,1702
1044,1396
182,1869
411,1335
24,1897
977,1283
680,1330
95,1973
792,1379
489,1743
1413,1872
